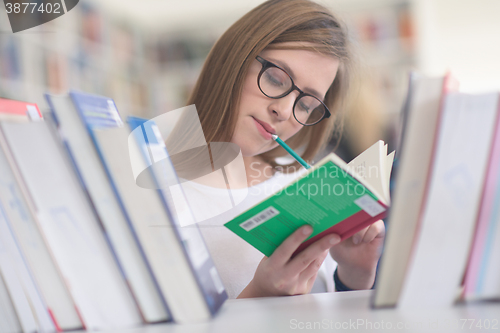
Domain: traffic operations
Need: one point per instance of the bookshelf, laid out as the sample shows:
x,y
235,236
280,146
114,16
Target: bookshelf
x,y
383,35
91,50
150,71
84,49
341,311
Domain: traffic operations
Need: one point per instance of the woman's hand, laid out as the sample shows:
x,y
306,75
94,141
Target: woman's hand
x,y
357,256
281,275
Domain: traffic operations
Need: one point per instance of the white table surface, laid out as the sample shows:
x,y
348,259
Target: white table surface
x,y
328,312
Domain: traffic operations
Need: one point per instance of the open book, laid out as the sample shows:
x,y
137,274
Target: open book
x,y
332,196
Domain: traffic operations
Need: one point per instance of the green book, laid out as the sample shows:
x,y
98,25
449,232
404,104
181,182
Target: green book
x,y
332,197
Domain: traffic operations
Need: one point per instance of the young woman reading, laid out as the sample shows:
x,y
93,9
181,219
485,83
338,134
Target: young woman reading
x,y
283,69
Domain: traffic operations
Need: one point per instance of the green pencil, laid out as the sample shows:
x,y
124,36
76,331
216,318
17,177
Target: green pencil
x,y
290,151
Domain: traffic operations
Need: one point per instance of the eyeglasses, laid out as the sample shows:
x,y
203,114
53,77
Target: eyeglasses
x,y
275,82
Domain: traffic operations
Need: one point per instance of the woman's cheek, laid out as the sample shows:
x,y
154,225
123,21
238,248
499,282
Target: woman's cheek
x,y
294,130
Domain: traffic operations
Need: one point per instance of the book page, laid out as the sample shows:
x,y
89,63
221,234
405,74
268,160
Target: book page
x,y
371,166
388,169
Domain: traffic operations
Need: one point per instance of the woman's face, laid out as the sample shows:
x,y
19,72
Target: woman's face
x,y
311,71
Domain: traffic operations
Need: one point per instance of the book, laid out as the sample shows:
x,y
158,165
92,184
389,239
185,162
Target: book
x,y
182,265
30,306
482,277
8,318
19,111
70,227
332,197
445,231
33,245
75,129
17,295
418,142
24,227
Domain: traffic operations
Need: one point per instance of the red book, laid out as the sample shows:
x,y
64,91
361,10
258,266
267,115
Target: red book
x,y
17,110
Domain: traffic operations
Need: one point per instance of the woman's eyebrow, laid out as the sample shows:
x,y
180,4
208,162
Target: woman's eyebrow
x,y
289,71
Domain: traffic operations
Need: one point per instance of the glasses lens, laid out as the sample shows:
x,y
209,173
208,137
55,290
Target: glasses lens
x,y
274,82
309,110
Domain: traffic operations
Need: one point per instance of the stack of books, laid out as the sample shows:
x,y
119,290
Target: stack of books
x,y
443,230
81,245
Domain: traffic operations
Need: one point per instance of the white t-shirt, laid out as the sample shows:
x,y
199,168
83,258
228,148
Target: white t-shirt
x,y
235,259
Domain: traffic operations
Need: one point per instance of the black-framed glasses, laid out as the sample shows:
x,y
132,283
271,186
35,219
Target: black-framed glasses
x,y
275,82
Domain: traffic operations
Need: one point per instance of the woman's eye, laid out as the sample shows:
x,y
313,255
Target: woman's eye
x,y
303,107
274,80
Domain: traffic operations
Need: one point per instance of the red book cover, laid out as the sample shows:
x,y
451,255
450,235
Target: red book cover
x,y
28,111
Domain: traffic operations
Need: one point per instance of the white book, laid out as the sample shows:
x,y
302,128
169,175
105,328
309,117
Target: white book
x,y
98,187
482,279
489,279
447,227
158,234
9,323
71,229
38,256
426,96
30,307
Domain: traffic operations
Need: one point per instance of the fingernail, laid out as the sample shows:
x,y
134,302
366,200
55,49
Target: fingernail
x,y
307,230
334,239
355,239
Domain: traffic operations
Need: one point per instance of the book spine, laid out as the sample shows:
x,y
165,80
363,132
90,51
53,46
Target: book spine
x,y
345,228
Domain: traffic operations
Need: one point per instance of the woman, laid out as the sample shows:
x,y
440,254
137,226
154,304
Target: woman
x,y
282,68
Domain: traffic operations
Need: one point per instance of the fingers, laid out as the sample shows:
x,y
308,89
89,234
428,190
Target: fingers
x,y
376,230
314,251
368,234
310,282
283,252
312,269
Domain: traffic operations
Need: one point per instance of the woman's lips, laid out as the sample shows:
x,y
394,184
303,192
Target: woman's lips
x,y
262,130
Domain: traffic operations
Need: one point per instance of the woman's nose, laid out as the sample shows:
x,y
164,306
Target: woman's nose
x,y
283,107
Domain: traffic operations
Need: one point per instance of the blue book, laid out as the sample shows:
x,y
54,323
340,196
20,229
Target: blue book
x,y
179,259
76,117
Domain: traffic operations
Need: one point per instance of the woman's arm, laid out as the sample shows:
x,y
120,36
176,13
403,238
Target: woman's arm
x,y
280,274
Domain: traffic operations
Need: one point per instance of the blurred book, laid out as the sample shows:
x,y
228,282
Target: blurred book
x,y
18,111
447,222
8,317
70,227
31,309
180,260
417,144
75,126
482,278
23,225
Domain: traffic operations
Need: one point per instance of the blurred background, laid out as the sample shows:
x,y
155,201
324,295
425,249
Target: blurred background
x,y
146,54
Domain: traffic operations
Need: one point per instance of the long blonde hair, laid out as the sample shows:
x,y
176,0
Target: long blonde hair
x,y
218,89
